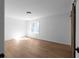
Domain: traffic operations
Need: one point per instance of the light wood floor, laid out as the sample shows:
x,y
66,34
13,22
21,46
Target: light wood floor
x,y
33,48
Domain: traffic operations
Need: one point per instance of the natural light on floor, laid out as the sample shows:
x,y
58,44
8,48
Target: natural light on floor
x,y
18,39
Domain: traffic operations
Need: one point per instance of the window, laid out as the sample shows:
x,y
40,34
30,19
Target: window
x,y
35,27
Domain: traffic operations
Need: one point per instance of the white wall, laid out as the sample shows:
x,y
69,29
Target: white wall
x,y
54,28
1,26
77,27
14,28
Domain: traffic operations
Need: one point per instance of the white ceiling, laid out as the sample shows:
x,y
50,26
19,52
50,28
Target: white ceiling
x,y
39,8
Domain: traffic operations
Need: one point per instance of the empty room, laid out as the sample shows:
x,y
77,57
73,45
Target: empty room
x,y
38,29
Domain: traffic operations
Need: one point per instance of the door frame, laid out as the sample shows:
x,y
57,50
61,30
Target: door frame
x,y
73,28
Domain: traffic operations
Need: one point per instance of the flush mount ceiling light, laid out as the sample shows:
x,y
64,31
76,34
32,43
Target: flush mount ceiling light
x,y
28,13
29,16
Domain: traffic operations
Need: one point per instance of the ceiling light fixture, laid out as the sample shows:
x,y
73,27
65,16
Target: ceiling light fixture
x,y
28,12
